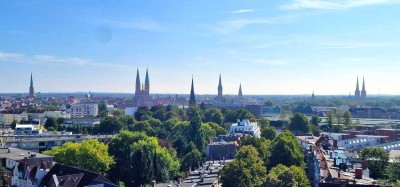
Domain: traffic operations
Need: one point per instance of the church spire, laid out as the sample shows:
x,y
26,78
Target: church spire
x,y
137,91
220,87
363,91
240,91
31,89
192,100
31,85
357,92
147,83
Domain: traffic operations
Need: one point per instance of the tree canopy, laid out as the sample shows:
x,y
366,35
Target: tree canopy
x,y
51,123
283,176
286,150
246,170
139,159
299,122
377,160
89,155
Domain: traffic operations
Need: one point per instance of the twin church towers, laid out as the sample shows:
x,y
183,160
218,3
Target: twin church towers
x,y
360,95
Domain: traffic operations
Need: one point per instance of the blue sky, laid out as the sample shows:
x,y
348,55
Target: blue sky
x,y
271,47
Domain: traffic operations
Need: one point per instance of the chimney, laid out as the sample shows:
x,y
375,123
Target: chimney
x,y
358,173
153,183
338,174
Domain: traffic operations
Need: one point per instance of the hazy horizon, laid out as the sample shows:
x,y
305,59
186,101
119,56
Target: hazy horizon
x,y
288,47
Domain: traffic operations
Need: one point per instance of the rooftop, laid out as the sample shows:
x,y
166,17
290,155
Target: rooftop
x,y
19,154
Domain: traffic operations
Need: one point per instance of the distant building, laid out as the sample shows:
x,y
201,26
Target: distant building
x,y
62,175
43,143
221,150
27,129
192,98
130,111
372,112
246,127
219,97
80,110
357,94
31,89
363,91
360,95
240,94
82,121
10,116
57,114
142,93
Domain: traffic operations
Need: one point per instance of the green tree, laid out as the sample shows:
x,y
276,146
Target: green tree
x,y
213,115
159,112
191,160
393,172
13,125
117,112
60,120
245,114
263,122
51,122
2,179
283,176
347,120
196,133
218,129
268,133
246,170
102,106
377,161
268,103
139,159
299,122
261,144
330,118
143,126
89,155
110,125
315,120
286,150
203,106
142,113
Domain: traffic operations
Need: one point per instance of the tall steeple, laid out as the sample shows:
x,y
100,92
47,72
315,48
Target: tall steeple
x,y
31,89
313,95
357,92
147,83
220,87
137,91
192,100
363,91
240,91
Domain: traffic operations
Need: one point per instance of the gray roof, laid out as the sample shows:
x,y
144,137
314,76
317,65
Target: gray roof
x,y
19,154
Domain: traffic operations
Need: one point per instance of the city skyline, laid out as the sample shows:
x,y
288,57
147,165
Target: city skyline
x,y
286,47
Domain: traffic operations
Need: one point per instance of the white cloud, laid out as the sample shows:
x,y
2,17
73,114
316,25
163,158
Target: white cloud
x,y
237,24
242,11
333,4
54,60
354,45
66,61
8,56
138,24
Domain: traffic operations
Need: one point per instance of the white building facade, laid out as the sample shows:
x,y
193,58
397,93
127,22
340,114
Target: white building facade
x,y
245,126
82,110
57,114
